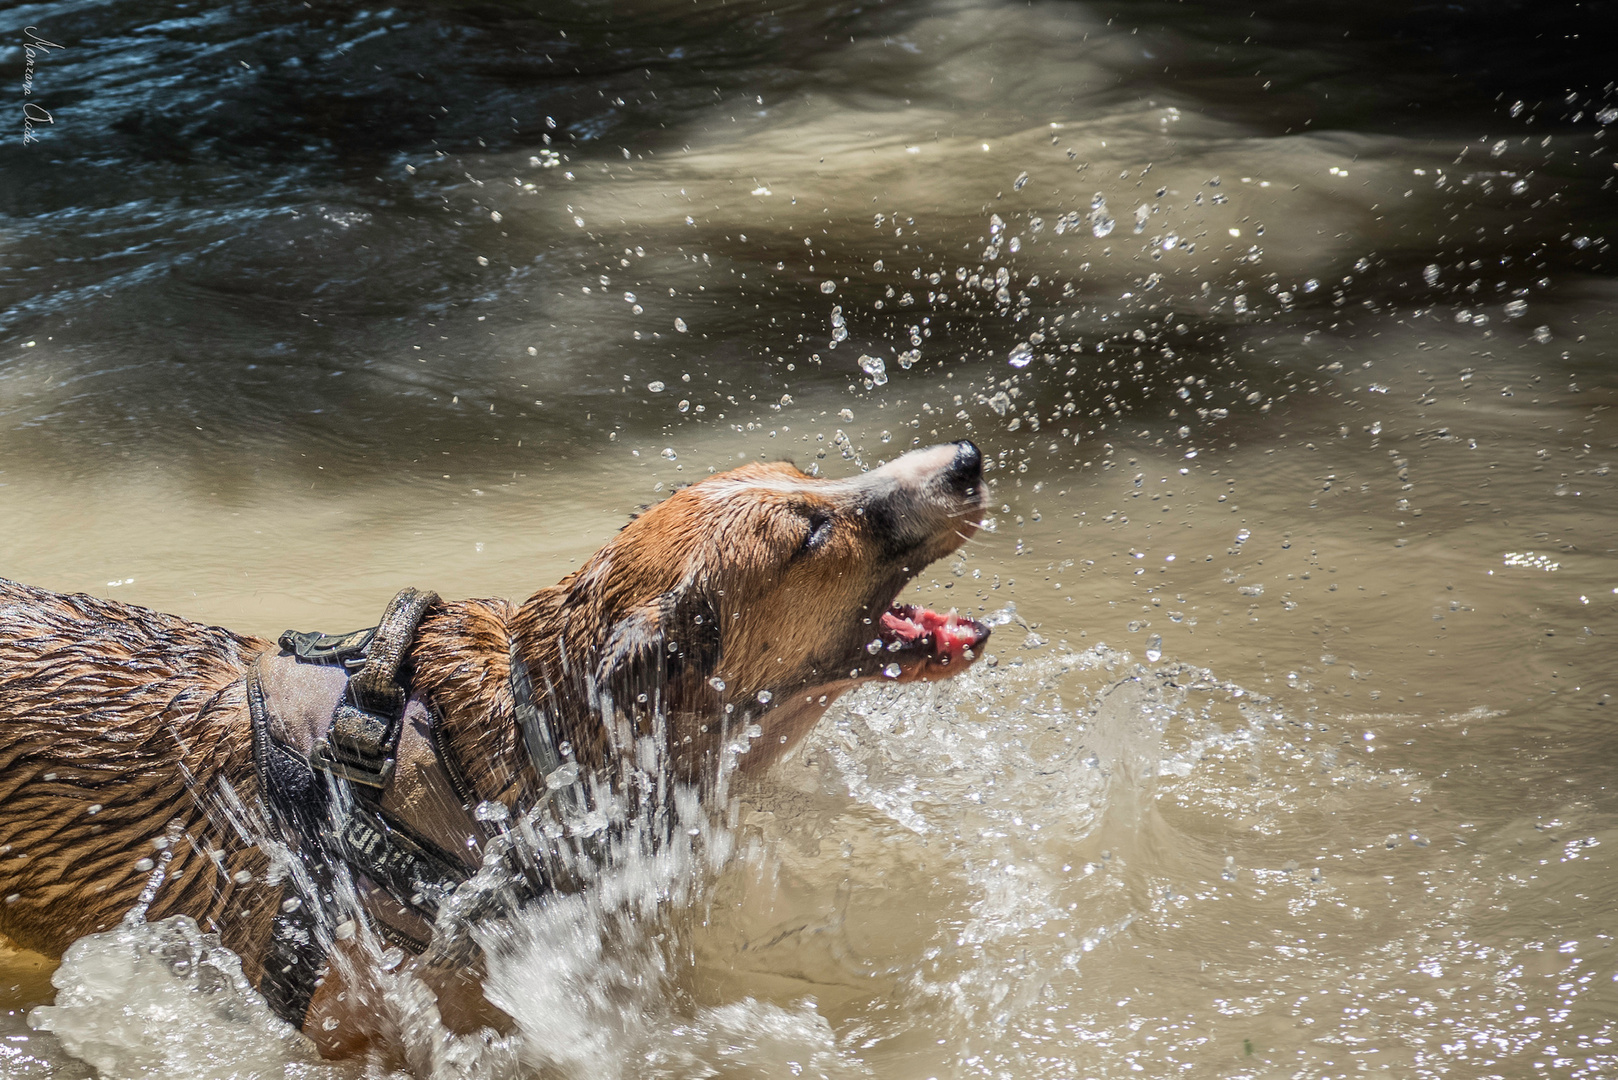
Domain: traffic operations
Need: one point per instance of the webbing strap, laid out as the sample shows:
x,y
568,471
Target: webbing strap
x,y
373,843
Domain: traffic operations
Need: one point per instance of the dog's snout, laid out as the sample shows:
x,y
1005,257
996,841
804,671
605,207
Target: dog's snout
x,y
939,476
965,470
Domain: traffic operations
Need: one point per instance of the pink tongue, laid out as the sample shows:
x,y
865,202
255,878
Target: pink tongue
x,y
908,629
951,633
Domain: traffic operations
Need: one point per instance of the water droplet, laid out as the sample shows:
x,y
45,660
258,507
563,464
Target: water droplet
x,y
1515,308
1239,302
828,287
291,904
1017,184
684,406
655,386
996,226
1021,355
1171,241
1154,649
1519,186
392,957
241,877
578,221
1311,285
908,357
563,776
679,324
144,865
1242,536
1542,334
668,452
1142,212
892,671
1101,224
875,368
492,811
1429,274
764,697
716,682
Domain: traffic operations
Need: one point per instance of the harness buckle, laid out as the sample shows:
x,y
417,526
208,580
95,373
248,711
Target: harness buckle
x,y
374,777
313,647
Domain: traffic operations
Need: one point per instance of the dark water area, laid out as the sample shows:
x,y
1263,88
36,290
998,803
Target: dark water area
x,y
220,230
1288,333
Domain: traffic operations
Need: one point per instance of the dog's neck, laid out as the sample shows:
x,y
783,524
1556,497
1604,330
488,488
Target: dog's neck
x,y
461,659
462,663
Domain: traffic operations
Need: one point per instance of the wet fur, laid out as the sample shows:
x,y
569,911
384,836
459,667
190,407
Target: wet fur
x,y
121,727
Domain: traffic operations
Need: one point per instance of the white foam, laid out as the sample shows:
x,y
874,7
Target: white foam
x,y
160,1000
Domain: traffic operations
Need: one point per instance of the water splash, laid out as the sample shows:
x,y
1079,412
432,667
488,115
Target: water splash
x,y
131,1002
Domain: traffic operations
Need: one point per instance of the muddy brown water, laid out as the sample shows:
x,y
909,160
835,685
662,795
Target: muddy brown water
x,y
1294,754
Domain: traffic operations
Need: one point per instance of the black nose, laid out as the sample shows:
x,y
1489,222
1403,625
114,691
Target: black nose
x,y
965,472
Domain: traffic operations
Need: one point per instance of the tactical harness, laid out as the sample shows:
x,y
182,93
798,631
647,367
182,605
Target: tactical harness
x,y
355,770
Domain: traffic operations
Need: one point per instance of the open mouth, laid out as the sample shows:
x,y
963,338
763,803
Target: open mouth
x,y
949,640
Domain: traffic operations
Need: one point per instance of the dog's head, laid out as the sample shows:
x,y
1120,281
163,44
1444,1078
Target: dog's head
x,y
771,592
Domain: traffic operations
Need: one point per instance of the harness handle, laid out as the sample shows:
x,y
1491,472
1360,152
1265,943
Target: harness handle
x,y
376,688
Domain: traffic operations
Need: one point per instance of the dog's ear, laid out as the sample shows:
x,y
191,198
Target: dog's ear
x,y
664,652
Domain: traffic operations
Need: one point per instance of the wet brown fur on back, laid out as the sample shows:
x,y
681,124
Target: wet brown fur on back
x,y
105,708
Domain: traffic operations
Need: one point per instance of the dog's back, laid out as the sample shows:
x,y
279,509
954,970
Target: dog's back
x,y
103,708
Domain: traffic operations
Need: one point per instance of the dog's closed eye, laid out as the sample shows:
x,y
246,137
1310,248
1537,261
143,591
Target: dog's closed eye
x,y
820,529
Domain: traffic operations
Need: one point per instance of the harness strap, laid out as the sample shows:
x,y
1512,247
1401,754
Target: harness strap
x,y
326,772
538,738
295,958
343,818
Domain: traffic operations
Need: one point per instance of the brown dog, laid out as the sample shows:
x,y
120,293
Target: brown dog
x,y
759,593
